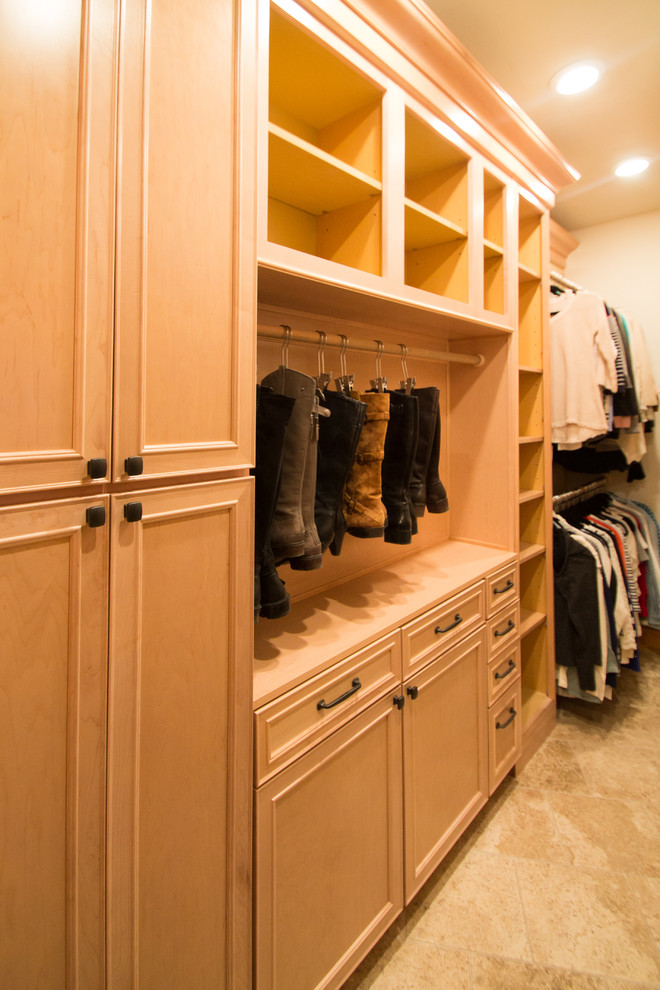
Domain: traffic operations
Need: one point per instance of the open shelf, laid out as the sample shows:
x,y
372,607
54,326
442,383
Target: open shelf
x,y
531,466
436,212
528,551
324,151
534,703
530,495
529,238
529,620
530,400
493,244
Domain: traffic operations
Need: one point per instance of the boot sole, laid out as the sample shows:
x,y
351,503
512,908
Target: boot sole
x,y
400,538
306,563
442,506
286,550
275,610
365,533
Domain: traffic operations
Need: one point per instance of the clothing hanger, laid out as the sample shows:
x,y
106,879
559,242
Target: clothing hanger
x,y
379,384
345,381
407,383
323,377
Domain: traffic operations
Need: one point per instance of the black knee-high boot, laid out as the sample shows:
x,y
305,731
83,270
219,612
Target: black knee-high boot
x,y
338,438
273,414
400,449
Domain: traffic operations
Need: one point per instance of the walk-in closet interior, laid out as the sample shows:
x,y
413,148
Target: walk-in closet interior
x,y
277,597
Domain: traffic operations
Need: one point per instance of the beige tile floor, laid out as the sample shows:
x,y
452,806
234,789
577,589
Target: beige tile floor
x,y
556,884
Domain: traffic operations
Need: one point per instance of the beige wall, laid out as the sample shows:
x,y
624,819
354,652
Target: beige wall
x,y
621,262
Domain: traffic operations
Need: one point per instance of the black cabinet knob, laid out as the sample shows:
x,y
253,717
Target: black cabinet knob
x,y
133,465
133,511
97,467
95,516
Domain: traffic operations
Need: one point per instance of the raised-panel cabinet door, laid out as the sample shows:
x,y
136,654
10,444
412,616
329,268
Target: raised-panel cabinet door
x,y
53,631
185,252
179,776
57,181
328,845
445,750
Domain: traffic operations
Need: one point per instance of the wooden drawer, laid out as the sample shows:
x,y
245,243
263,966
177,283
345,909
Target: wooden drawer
x,y
293,723
503,670
433,632
502,587
504,734
503,629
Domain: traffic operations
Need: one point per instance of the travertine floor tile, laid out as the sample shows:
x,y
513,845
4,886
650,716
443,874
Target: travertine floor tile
x,y
506,974
411,965
623,771
554,767
647,890
605,833
477,908
524,826
586,920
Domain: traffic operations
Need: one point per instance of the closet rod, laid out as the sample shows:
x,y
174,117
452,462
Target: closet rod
x,y
566,282
581,493
367,346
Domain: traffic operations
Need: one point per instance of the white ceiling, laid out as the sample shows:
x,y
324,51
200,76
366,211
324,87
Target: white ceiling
x,y
522,44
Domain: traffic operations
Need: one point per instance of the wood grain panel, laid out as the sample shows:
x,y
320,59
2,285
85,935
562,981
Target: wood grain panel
x,y
328,842
185,249
53,589
57,203
179,740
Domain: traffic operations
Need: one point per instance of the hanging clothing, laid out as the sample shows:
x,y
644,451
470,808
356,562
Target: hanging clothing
x,y
583,361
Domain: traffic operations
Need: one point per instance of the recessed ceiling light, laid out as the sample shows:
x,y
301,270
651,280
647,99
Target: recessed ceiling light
x,y
576,78
632,166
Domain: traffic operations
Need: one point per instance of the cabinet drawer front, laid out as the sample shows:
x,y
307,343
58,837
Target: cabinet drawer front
x,y
502,588
503,629
434,631
503,670
504,734
294,723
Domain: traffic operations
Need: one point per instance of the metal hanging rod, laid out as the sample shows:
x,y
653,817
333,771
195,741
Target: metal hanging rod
x,y
565,282
580,494
283,333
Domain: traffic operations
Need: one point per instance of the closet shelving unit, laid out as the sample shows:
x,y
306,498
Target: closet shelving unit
x,y
535,473
387,212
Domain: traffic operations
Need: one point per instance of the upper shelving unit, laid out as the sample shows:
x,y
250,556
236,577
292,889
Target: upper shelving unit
x,y
324,152
436,212
494,211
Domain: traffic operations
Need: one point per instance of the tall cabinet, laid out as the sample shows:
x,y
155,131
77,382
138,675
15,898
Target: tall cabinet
x,y
126,360
402,203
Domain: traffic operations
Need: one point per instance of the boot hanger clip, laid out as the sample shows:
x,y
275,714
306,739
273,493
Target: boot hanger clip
x,y
379,384
324,377
407,383
345,381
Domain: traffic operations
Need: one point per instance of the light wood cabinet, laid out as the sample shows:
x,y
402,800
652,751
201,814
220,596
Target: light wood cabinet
x,y
126,361
185,244
104,150
445,747
400,199
57,181
53,683
179,768
537,703
329,854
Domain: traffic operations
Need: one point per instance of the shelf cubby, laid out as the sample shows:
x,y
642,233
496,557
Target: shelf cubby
x,y
530,323
436,212
530,400
529,239
531,465
324,151
532,522
533,588
534,662
494,193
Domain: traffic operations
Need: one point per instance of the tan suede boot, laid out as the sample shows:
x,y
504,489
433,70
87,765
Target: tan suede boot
x,y
363,509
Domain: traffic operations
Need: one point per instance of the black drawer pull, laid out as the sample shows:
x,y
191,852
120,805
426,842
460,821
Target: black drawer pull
x,y
505,632
399,700
503,725
413,691
458,618
510,669
342,697
507,587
